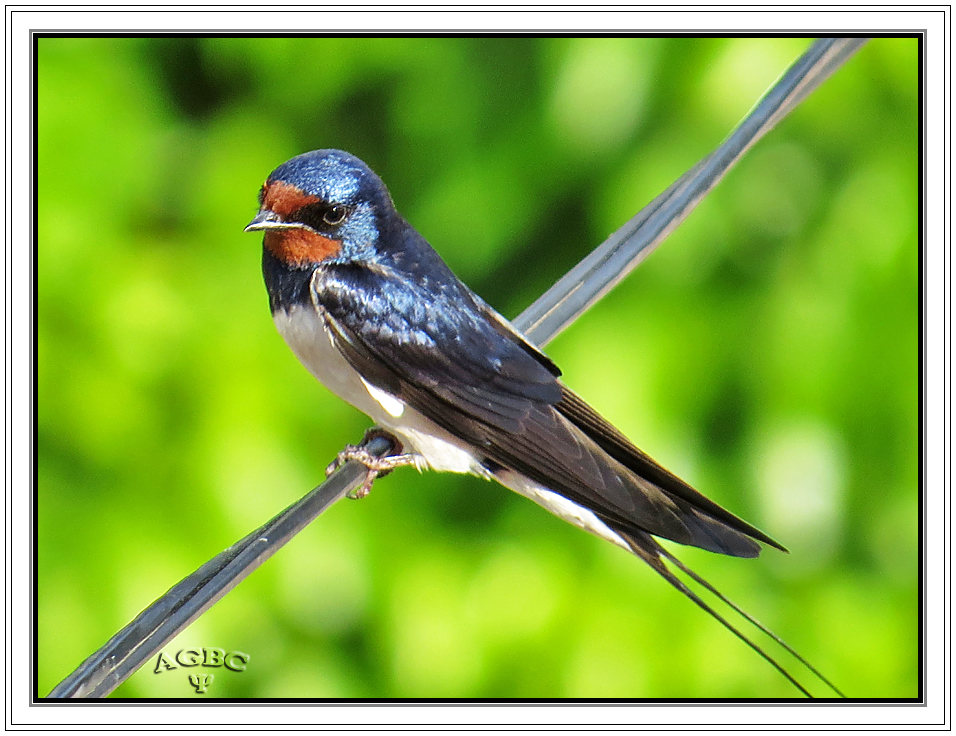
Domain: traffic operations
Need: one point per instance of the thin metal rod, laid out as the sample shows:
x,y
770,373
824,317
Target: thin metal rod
x,y
152,629
614,259
563,303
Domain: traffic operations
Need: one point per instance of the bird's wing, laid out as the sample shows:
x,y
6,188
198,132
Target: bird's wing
x,y
610,439
436,350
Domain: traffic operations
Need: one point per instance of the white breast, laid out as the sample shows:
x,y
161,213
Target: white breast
x,y
306,332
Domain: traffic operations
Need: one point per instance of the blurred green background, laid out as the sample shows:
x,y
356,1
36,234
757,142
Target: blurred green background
x,y
767,352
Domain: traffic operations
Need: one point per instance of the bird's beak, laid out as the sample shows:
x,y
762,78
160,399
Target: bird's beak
x,y
266,220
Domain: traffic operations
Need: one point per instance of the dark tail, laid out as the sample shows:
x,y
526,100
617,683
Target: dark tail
x,y
647,548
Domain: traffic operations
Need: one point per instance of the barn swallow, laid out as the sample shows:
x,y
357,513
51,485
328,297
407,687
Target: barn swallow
x,y
376,315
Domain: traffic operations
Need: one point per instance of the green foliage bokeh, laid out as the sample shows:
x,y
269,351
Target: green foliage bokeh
x,y
767,352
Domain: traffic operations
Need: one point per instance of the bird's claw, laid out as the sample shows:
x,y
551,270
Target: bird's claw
x,y
375,466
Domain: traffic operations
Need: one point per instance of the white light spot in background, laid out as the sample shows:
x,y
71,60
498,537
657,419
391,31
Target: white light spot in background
x,y
587,104
744,72
800,470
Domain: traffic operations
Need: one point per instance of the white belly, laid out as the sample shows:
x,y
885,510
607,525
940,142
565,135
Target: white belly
x,y
306,333
559,506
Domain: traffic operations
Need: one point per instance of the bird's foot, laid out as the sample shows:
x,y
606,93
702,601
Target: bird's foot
x,y
376,467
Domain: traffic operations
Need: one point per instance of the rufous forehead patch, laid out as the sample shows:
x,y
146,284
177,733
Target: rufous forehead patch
x,y
284,199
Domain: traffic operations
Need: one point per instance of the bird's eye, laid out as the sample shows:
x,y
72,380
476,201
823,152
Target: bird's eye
x,y
335,214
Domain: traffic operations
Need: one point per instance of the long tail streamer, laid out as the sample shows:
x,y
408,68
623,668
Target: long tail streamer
x,y
647,548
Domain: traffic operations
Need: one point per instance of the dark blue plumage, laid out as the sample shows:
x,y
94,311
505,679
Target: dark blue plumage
x,y
374,313
285,286
397,313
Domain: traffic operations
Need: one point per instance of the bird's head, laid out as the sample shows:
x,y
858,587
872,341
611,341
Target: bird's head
x,y
322,206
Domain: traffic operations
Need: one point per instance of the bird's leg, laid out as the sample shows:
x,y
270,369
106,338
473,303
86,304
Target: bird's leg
x,y
375,466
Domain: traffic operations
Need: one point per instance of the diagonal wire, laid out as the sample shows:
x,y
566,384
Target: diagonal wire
x,y
555,310
617,256
121,656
